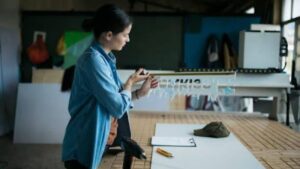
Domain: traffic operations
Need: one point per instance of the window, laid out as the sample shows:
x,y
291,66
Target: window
x,y
290,9
288,32
286,10
296,8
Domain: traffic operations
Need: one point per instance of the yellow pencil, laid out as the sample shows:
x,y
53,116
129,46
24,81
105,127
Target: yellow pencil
x,y
164,152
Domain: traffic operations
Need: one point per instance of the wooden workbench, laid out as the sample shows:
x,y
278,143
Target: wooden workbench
x,y
272,143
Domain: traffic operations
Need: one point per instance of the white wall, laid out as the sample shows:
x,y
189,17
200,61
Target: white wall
x,y
9,56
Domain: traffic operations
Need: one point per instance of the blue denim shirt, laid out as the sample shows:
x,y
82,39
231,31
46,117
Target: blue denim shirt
x,y
96,95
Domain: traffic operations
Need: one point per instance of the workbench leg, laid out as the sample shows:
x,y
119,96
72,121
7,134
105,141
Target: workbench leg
x,y
278,108
275,107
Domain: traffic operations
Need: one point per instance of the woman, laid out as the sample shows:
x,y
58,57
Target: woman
x,y
97,95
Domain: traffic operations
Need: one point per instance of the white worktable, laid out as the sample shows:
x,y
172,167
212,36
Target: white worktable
x,y
274,85
210,153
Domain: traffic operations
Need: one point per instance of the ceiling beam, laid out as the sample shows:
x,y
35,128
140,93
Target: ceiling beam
x,y
236,6
187,6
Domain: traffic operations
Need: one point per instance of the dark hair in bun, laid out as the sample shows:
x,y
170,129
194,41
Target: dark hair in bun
x,y
87,25
107,18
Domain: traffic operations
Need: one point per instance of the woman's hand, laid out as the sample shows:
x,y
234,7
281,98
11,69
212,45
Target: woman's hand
x,y
134,78
148,84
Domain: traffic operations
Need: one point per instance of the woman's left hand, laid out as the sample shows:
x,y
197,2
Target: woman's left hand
x,y
148,84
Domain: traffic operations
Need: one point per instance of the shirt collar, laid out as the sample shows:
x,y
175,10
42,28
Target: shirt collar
x,y
109,57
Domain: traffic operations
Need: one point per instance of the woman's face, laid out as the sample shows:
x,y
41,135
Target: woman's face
x,y
118,41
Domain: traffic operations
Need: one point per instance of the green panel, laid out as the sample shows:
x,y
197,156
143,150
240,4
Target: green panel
x,y
76,43
155,43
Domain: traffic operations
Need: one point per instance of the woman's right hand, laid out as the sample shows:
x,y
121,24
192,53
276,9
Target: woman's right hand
x,y
134,78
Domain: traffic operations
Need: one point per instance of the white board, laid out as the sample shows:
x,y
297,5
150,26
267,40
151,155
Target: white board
x,y
210,153
41,114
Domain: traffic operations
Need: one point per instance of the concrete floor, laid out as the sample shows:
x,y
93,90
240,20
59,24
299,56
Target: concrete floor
x,y
29,156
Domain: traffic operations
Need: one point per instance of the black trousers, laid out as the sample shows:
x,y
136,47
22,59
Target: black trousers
x,y
74,164
124,131
127,161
